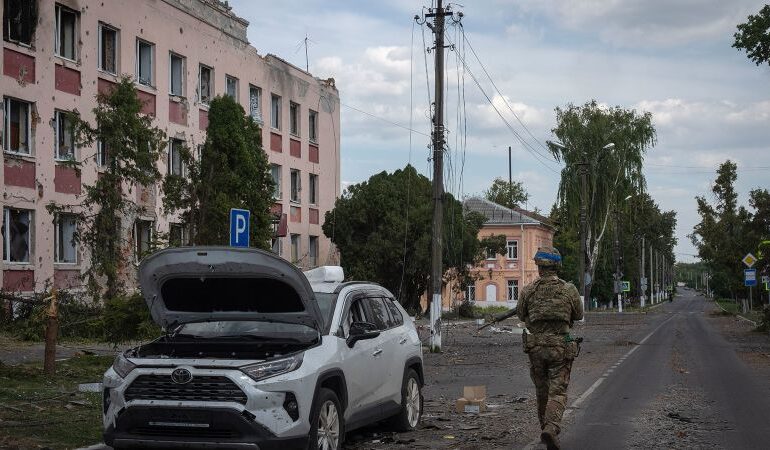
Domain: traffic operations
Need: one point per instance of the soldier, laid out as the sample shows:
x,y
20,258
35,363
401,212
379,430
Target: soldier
x,y
549,306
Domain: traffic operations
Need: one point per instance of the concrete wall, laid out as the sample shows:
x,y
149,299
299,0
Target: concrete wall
x,y
203,32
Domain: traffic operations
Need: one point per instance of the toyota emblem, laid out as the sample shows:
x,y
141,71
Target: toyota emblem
x,y
181,376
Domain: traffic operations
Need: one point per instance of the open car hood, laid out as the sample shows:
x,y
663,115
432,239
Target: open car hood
x,y
195,284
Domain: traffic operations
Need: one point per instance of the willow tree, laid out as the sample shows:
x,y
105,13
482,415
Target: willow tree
x,y
614,171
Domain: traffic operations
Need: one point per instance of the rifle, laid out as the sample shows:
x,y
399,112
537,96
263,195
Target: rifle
x,y
498,319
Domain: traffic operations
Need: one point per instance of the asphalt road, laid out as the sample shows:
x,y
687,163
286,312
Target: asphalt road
x,y
683,386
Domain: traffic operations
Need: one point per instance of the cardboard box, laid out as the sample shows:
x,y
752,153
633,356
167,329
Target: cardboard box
x,y
474,400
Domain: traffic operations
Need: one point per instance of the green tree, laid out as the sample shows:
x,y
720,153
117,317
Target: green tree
x,y
510,195
382,228
133,146
724,234
233,172
613,174
754,37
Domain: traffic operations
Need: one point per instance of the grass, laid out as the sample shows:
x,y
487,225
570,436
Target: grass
x,y
729,306
41,412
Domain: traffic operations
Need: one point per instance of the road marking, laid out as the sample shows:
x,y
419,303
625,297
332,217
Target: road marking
x,y
578,401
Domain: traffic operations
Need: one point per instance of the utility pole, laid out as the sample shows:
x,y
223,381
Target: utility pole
x,y
642,285
616,249
510,182
652,277
438,15
583,169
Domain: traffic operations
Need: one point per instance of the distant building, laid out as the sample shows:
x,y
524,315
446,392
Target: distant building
x,y
499,278
57,55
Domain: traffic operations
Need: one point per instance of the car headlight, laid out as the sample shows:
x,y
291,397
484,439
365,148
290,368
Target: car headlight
x,y
122,366
268,369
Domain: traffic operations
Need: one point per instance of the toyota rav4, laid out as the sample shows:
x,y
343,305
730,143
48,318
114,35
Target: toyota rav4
x,y
257,354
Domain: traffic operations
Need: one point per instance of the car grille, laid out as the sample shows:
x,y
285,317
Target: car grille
x,y
184,432
200,388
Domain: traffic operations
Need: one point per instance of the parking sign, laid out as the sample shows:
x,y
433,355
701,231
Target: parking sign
x,y
239,227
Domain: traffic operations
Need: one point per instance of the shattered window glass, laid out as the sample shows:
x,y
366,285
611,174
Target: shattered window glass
x,y
16,130
175,164
65,141
16,232
108,42
19,20
66,247
255,103
312,120
231,86
204,84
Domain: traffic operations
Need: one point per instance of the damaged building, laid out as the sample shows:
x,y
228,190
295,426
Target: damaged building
x,y
58,55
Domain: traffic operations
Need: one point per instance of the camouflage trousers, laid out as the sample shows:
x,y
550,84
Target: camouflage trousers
x,y
550,367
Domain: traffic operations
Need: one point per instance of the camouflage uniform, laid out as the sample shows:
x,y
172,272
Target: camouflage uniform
x,y
548,307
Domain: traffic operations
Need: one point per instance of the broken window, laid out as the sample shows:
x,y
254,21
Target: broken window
x,y
295,185
275,171
205,78
17,126
17,235
102,153
312,249
66,32
65,245
19,21
312,124
295,249
255,103
313,188
176,75
294,119
65,139
177,235
143,235
275,112
144,59
231,86
108,49
175,164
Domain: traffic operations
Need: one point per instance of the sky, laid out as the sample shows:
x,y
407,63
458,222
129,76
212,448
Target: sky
x,y
671,58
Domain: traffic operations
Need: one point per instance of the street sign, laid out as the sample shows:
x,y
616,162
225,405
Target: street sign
x,y
749,260
750,277
626,286
767,286
239,227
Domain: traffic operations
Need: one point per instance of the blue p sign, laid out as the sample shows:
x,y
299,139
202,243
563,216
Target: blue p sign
x,y
239,227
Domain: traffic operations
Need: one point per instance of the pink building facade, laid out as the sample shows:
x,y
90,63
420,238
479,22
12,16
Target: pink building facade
x,y
500,278
57,55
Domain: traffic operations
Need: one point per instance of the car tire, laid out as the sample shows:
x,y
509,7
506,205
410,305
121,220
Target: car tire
x,y
409,416
327,429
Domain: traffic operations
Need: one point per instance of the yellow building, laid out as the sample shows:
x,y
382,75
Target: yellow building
x,y
499,278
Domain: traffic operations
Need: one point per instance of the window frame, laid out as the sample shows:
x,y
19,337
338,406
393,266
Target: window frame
x,y
275,111
278,191
312,183
139,43
6,236
508,248
258,116
182,79
470,293
294,119
512,284
100,48
312,126
58,116
7,126
234,80
276,245
57,240
312,258
7,25
101,156
138,253
184,238
295,242
210,92
295,192
58,8
172,146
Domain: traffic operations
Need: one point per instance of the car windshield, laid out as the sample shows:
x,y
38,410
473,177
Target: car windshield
x,y
326,305
249,329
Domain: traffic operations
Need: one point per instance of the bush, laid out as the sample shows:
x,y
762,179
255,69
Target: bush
x,y
466,310
126,318
764,325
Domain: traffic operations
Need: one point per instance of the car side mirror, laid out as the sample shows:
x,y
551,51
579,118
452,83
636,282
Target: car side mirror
x,y
360,331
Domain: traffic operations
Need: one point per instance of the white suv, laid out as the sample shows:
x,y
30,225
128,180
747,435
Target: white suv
x,y
259,355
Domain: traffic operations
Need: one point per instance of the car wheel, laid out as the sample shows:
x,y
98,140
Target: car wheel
x,y
411,403
326,427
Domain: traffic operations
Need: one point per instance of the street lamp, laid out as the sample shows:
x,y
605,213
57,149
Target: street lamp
x,y
583,168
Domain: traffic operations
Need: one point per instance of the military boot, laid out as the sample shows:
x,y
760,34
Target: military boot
x,y
549,438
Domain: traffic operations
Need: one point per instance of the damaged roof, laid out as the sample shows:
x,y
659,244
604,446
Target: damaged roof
x,y
500,215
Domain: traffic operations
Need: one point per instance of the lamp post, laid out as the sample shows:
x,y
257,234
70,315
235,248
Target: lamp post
x,y
583,165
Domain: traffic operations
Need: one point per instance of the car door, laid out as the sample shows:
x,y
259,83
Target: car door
x,y
363,364
388,350
402,348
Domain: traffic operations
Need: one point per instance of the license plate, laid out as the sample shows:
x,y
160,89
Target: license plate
x,y
181,419
179,424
